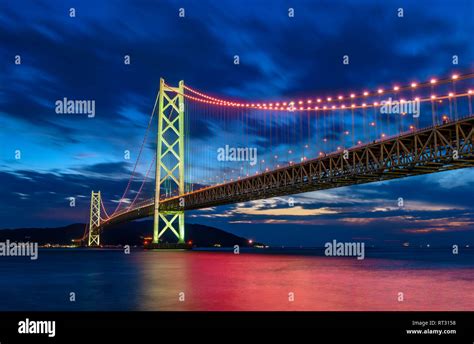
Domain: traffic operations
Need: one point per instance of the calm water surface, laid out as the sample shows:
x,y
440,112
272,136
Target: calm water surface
x,y
151,280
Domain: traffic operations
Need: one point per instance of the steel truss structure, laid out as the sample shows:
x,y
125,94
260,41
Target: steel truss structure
x,y
435,149
170,158
94,220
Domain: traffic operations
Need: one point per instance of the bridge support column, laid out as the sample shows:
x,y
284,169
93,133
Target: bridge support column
x,y
94,221
169,158
174,221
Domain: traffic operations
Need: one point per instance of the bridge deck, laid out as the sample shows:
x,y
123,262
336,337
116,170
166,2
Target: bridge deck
x,y
434,149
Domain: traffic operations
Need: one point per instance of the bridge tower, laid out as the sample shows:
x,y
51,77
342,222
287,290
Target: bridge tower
x,y
94,221
169,158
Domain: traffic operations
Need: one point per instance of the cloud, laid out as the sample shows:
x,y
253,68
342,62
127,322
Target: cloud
x,y
280,57
455,179
41,193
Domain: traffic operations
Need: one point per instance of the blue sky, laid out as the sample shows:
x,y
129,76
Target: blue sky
x,y
280,57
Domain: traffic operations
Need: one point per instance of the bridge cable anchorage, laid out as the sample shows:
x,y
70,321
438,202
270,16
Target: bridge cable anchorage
x,y
139,154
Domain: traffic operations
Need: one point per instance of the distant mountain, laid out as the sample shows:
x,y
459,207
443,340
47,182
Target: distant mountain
x,y
131,233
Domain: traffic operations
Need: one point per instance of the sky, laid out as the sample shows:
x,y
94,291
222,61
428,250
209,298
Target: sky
x,y
46,157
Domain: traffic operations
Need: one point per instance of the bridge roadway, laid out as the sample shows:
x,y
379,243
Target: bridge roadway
x,y
435,149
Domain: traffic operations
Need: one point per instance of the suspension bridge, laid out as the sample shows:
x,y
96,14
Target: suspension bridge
x,y
303,145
